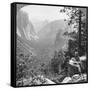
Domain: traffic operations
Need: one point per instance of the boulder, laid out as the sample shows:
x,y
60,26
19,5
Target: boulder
x,y
66,80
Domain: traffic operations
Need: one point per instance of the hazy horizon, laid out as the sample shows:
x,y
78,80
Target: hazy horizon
x,y
42,13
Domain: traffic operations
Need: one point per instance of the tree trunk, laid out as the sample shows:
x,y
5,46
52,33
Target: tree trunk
x,y
79,31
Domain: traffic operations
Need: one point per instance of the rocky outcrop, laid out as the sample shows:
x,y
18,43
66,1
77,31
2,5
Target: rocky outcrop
x,y
75,79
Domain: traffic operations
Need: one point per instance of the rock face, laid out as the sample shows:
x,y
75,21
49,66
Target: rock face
x,y
25,27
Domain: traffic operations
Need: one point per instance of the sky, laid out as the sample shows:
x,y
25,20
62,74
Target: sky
x,y
38,12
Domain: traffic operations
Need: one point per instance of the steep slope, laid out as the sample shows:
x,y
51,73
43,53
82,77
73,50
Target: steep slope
x,y
23,47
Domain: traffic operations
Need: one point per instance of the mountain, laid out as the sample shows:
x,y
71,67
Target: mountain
x,y
39,24
28,32
48,34
25,27
46,40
